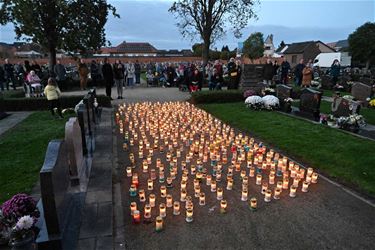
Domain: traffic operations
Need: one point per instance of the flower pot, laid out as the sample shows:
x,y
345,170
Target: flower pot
x,y
26,243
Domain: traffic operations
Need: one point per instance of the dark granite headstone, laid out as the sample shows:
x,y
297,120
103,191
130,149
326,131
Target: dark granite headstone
x,y
310,103
54,184
361,91
326,82
283,92
344,107
251,75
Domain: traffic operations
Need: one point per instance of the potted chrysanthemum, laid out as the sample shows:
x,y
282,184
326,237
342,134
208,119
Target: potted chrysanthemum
x,y
22,234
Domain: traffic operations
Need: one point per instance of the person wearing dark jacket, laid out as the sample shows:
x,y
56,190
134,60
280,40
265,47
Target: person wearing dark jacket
x,y
335,72
195,81
232,71
298,72
9,74
137,71
119,76
108,77
268,72
215,81
285,68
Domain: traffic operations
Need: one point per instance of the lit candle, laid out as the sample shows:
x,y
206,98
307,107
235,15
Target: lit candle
x,y
213,186
169,200
147,212
305,186
196,183
296,181
245,180
145,166
253,203
133,190
136,217
219,193
129,171
229,184
243,173
252,171
176,208
202,199
183,195
277,193
267,195
133,207
184,177
135,180
293,191
197,191
314,178
310,171
162,210
259,179
169,181
183,184
192,170
189,202
189,214
152,200
285,183
244,195
271,179
142,195
158,224
153,174
150,184
163,191
279,184
161,176
208,180
223,206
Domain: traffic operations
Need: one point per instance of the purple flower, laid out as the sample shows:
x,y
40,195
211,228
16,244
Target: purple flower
x,y
18,206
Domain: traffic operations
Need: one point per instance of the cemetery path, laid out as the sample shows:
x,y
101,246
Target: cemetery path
x,y
327,217
12,120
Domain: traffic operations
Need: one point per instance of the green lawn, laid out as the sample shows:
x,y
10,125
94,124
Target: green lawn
x,y
325,107
22,152
342,156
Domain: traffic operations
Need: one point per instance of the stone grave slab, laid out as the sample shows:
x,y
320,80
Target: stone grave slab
x,y
309,105
361,91
283,92
344,107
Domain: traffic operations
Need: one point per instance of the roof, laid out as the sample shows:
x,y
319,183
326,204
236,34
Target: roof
x,y
282,48
298,48
126,47
269,39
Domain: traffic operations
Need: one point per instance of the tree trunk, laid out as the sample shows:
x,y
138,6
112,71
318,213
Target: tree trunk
x,y
206,51
52,57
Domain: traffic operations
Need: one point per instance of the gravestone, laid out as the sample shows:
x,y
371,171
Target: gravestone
x,y
367,80
309,105
326,82
251,75
54,184
344,107
73,139
361,91
283,92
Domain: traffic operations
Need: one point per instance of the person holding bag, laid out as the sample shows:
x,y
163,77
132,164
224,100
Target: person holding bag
x,y
52,92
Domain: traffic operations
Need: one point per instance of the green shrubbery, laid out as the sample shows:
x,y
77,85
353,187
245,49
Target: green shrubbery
x,y
217,96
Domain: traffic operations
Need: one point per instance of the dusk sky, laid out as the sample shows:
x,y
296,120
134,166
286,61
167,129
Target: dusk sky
x,y
291,21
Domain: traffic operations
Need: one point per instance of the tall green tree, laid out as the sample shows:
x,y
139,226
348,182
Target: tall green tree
x,y
74,26
210,19
361,43
197,49
253,47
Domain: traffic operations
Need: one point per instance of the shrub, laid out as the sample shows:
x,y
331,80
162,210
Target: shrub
x,y
217,96
31,104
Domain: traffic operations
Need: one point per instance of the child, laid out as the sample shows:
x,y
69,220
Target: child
x,y
52,92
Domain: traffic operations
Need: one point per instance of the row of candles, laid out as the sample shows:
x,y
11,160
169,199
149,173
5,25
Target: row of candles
x,y
156,123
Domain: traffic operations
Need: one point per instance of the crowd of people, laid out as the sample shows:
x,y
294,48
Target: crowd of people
x,y
302,73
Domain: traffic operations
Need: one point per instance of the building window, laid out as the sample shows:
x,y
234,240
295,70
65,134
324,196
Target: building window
x,y
294,59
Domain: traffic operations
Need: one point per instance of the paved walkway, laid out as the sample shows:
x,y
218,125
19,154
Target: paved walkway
x,y
12,120
329,216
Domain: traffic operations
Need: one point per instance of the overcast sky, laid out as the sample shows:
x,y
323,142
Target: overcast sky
x,y
288,20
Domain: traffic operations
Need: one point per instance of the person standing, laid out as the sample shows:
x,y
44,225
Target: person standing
x,y
52,92
108,77
9,74
130,70
232,71
83,71
60,73
298,72
119,76
137,72
94,71
307,75
285,68
335,72
268,72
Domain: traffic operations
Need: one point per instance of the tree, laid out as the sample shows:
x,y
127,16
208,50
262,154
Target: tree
x,y
361,43
225,48
282,44
209,19
253,47
74,26
197,49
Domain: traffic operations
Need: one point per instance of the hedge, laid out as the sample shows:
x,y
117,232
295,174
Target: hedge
x,y
31,104
222,96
